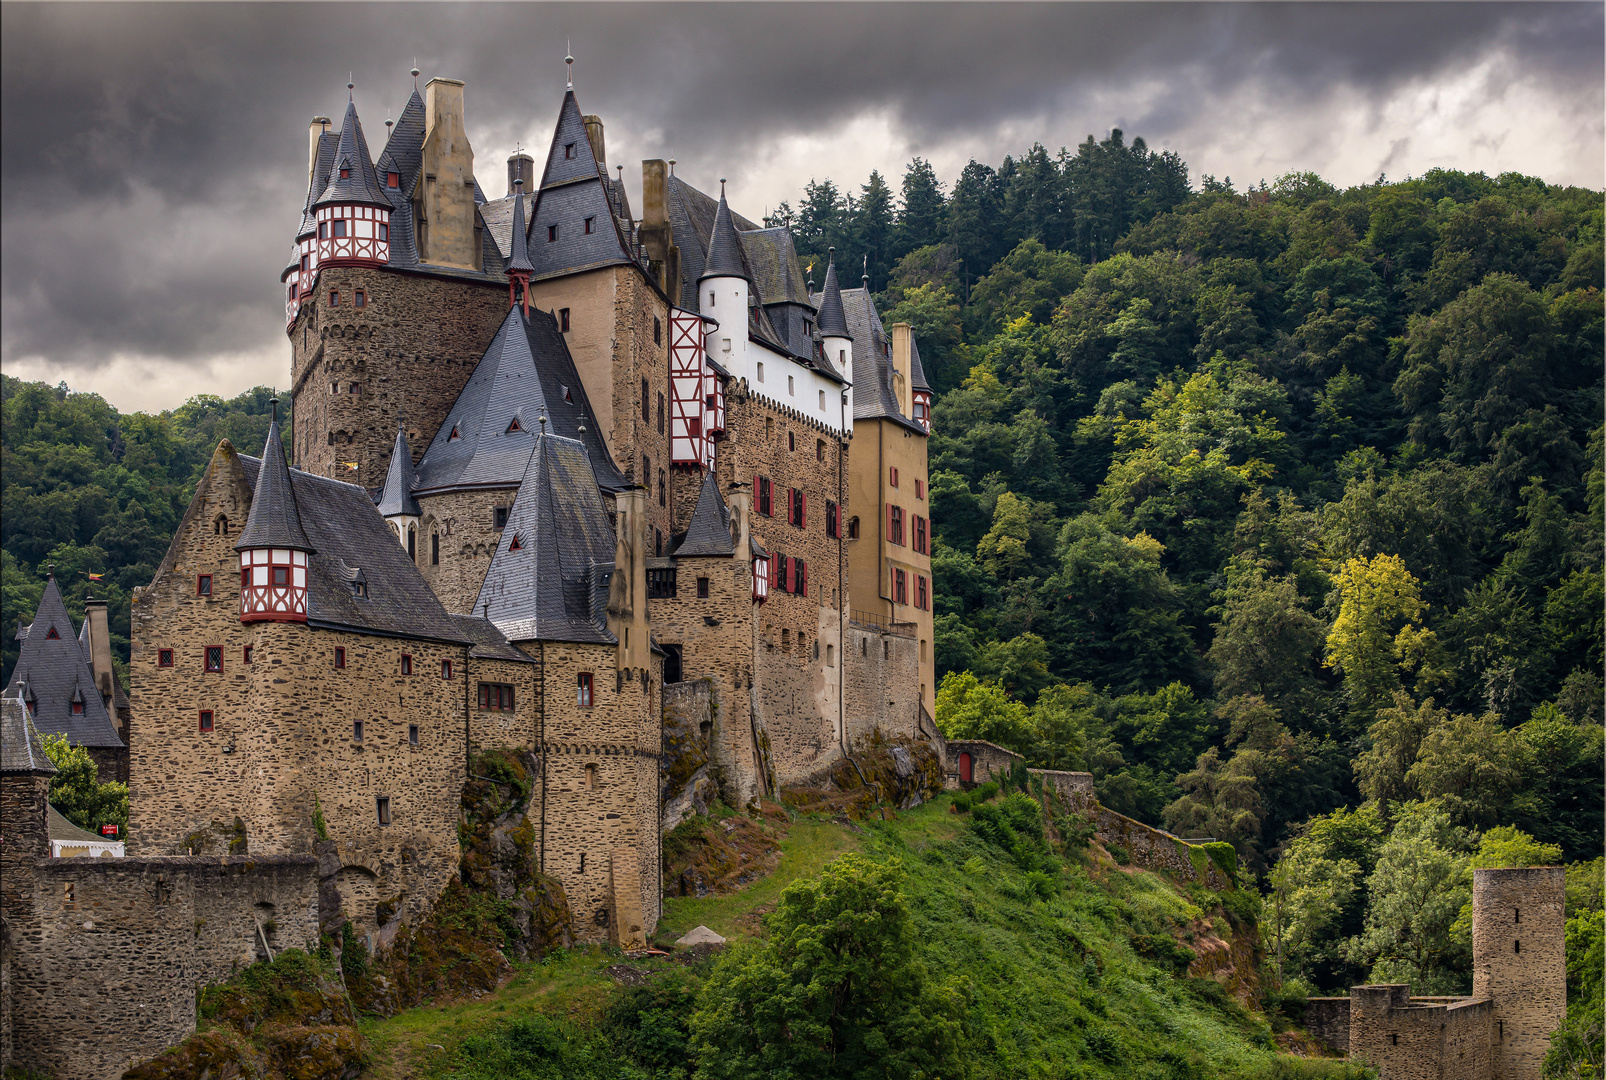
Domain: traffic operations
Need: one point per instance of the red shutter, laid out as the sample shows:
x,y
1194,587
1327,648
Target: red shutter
x,y
889,521
803,509
802,578
791,494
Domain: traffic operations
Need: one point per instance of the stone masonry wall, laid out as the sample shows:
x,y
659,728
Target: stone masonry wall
x,y
1156,849
988,761
465,522
410,350
110,952
1070,788
1519,961
1467,1044
1327,1019
879,670
518,727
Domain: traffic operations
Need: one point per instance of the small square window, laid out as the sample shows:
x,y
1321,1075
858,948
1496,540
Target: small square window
x,y
203,585
563,319
356,731
393,179
360,298
406,664
446,669
78,708
499,518
702,588
551,234
206,720
340,657
334,297
164,657
412,734
591,225
583,690
214,658
382,806
245,655
384,231
281,575
568,150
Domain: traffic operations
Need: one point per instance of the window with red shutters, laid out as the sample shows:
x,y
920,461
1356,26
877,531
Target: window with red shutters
x,y
894,524
900,587
920,535
801,574
761,485
892,475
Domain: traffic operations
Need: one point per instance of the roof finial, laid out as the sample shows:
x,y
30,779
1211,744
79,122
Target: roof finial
x,y
388,124
543,419
415,73
721,187
351,85
671,166
569,61
274,401
582,428
52,568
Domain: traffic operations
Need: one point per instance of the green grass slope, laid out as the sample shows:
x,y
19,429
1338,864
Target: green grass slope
x,y
1076,969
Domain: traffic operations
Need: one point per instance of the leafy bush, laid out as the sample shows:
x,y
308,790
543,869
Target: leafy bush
x,y
1016,825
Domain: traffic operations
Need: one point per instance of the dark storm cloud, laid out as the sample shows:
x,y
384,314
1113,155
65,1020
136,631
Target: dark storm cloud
x,y
153,156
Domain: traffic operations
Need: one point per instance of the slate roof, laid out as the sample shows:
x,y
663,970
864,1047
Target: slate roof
x,y
404,155
777,271
709,531
397,495
832,322
519,240
572,190
872,377
917,371
328,141
691,219
350,540
526,369
553,587
724,257
489,644
361,183
119,695
275,518
21,748
57,674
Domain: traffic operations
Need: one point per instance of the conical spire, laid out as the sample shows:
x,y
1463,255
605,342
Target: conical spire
x,y
57,673
724,246
833,321
360,184
397,498
274,521
520,260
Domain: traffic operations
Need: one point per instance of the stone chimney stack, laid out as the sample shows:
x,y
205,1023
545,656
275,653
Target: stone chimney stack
x,y
521,166
317,127
450,234
599,149
902,336
656,234
100,649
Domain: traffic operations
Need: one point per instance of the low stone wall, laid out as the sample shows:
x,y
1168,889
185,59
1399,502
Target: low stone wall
x,y
1072,789
1408,1038
109,952
1156,849
1327,1021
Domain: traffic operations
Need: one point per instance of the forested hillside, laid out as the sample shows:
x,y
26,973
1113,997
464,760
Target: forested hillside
x,y
1280,511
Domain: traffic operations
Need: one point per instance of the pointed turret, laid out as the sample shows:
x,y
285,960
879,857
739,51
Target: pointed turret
x,y
273,546
60,690
518,264
836,341
920,389
709,532
353,213
396,503
576,221
724,245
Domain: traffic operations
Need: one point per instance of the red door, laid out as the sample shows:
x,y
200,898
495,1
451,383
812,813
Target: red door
x,y
964,768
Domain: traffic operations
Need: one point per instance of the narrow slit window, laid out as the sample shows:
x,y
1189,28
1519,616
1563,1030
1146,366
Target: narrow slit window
x,y
406,664
583,690
382,806
563,319
412,734
203,585
356,731
446,669
551,234
340,656
245,655
591,225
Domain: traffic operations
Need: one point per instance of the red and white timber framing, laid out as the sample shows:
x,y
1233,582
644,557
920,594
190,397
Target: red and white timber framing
x,y
696,398
273,585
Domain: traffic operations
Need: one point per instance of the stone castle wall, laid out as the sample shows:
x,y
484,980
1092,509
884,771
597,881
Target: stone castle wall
x,y
410,350
464,525
109,952
988,761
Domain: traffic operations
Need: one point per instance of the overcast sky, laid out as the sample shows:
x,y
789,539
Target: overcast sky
x,y
153,158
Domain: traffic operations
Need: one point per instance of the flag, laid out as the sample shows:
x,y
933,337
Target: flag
x,y
347,464
95,577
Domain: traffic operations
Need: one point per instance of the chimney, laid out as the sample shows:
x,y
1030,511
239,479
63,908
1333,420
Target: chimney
x,y
902,337
656,235
317,127
450,233
599,149
521,166
100,648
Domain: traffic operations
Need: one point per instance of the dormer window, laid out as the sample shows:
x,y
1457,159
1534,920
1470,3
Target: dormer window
x,y
514,426
551,234
393,179
454,436
568,151
345,173
51,635
591,225
77,705
516,544
359,588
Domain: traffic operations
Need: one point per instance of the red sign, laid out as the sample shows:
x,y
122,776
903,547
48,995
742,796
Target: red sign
x,y
108,830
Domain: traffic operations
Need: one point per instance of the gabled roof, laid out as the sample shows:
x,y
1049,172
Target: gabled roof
x,y
275,519
489,642
21,748
832,322
547,588
526,371
724,251
777,271
404,156
57,675
573,190
360,184
709,532
352,542
397,496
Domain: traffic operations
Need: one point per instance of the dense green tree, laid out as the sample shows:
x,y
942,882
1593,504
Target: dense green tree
x,y
77,793
873,229
923,212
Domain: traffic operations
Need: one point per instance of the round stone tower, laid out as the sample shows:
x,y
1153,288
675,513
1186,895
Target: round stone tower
x,y
1519,961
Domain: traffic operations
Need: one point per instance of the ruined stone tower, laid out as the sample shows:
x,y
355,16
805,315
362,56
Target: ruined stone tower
x,y
1519,961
